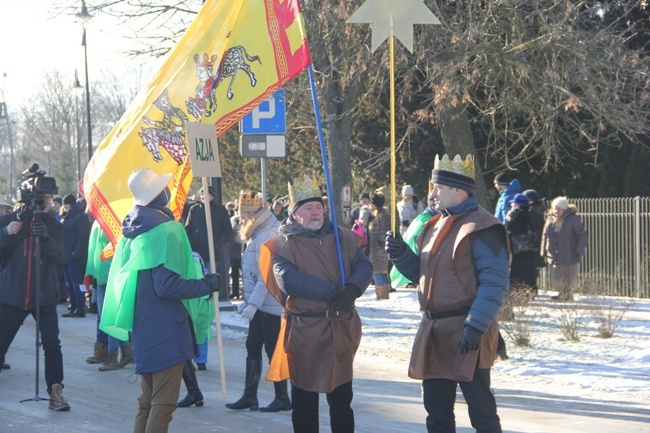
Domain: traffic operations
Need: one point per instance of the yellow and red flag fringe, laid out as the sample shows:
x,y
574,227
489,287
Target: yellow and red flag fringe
x,y
234,56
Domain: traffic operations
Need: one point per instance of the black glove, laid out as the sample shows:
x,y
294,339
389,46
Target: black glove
x,y
345,296
213,281
470,340
395,246
38,229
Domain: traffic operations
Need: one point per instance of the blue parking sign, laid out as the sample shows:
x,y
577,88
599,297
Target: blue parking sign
x,y
267,118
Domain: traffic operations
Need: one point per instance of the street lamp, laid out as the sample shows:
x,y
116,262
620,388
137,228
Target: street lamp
x,y
78,90
83,18
47,148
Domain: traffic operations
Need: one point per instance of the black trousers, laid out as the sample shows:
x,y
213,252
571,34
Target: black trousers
x,y
305,410
12,318
440,396
263,330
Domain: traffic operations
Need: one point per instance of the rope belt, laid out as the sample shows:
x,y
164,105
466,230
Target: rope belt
x,y
433,315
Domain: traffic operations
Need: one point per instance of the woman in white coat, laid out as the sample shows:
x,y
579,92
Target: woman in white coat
x,y
262,311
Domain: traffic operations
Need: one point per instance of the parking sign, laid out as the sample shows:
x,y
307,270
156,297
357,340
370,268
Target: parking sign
x,y
267,118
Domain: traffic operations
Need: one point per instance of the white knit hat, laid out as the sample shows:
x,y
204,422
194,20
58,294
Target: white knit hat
x,y
145,185
560,202
407,190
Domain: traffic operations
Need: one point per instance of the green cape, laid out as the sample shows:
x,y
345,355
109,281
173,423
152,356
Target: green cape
x,y
411,235
167,245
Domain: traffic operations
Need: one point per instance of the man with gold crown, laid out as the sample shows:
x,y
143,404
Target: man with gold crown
x,y
462,268
301,268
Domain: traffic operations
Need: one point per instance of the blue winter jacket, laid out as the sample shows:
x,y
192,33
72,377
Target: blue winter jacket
x,y
506,196
161,329
491,268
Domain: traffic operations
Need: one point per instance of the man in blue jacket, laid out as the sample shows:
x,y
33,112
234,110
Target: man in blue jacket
x,y
507,188
152,270
462,269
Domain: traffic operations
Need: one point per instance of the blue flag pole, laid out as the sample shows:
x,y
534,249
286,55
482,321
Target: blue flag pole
x,y
328,182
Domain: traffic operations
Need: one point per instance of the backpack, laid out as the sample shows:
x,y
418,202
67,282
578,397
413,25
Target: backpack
x,y
358,228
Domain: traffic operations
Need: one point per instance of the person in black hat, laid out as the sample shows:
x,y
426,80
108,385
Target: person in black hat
x,y
76,226
462,267
507,188
364,200
377,228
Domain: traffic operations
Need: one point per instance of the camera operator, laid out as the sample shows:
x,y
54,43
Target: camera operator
x,y
19,289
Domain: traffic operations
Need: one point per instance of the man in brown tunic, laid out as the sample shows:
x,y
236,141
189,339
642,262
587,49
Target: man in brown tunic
x,y
462,268
300,267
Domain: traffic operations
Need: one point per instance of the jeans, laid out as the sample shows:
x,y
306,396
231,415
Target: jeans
x,y
440,396
74,277
380,279
11,318
305,410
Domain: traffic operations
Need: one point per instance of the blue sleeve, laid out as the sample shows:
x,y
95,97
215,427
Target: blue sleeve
x,y
491,267
296,283
361,275
170,285
408,264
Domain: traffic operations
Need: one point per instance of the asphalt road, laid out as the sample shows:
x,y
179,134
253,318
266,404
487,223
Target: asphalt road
x,y
385,400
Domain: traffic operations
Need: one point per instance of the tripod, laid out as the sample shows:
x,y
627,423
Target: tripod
x,y
39,266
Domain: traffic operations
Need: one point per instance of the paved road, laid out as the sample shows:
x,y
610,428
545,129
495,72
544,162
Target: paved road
x,y
385,400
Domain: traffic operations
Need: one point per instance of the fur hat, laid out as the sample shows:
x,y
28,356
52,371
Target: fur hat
x,y
145,185
521,200
456,173
502,179
561,202
69,199
407,190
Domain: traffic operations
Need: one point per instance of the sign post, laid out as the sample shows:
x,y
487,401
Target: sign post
x,y
204,159
263,132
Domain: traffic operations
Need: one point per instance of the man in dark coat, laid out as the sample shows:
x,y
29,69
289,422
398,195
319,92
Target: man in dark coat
x,y
197,231
76,227
19,290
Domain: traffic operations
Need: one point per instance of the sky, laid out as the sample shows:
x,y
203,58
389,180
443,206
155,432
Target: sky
x,y
613,369
33,43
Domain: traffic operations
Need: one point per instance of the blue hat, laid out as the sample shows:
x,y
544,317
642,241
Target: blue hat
x,y
521,200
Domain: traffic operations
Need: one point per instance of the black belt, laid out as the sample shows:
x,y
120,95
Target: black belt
x,y
433,315
330,313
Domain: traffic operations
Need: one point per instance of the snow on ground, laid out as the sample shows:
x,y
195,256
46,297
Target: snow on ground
x,y
608,369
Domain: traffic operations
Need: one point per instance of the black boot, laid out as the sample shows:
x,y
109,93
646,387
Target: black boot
x,y
249,399
281,400
194,395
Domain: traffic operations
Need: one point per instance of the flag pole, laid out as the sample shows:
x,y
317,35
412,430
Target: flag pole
x,y
213,269
328,182
393,163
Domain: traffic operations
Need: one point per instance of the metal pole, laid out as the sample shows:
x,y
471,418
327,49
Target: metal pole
x,y
90,130
263,174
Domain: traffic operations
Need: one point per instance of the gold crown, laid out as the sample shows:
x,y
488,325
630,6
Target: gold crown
x,y
457,165
302,189
250,201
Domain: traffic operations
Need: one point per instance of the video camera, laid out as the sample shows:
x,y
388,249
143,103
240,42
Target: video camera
x,y
34,186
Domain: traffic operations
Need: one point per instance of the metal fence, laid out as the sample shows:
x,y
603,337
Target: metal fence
x,y
618,252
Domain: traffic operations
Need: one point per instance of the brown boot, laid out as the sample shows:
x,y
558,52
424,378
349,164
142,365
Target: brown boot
x,y
127,356
111,362
381,292
99,354
57,401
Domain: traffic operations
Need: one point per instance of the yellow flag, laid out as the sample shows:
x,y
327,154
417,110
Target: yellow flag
x,y
235,55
